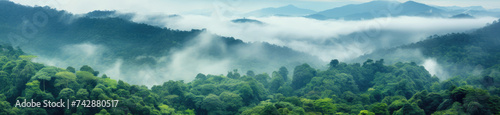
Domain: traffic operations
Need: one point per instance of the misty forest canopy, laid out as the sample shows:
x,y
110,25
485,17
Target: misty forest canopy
x,y
460,54
385,86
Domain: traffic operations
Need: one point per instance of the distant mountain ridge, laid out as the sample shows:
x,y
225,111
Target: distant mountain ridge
x,y
380,8
289,10
375,9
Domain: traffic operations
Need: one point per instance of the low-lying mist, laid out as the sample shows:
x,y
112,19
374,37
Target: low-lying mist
x,y
327,39
206,53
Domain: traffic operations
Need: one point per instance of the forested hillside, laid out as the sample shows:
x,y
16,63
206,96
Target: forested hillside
x,y
103,41
461,54
368,88
264,79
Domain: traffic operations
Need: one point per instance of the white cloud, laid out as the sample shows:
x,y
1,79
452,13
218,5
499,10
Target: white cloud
x,y
86,48
434,68
115,70
185,63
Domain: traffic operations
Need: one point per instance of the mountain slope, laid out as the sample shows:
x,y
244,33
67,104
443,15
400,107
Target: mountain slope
x,y
461,54
126,46
375,9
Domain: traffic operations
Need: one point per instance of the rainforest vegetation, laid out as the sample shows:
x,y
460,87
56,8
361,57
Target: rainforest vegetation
x,y
383,84
371,88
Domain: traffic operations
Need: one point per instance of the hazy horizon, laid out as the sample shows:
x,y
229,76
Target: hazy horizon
x,y
235,6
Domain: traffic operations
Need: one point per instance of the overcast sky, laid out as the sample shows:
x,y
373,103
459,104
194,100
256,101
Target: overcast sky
x,y
236,6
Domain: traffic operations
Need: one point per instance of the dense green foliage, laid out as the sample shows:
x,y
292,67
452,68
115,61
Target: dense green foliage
x,y
371,88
